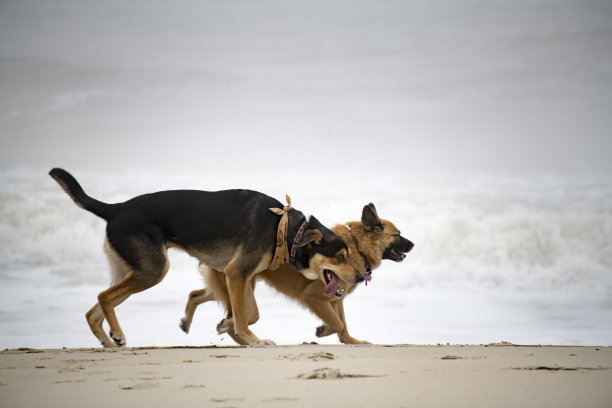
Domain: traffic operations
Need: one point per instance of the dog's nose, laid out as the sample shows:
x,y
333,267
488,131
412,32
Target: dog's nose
x,y
410,246
360,278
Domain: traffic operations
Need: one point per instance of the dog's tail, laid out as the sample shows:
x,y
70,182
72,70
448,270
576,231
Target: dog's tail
x,y
72,187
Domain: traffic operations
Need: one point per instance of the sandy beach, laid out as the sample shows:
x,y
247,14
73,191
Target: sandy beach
x,y
309,375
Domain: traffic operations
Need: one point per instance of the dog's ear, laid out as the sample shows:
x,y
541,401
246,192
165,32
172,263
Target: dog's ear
x,y
314,223
313,235
369,218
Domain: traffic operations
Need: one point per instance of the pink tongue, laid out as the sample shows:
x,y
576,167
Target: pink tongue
x,y
332,286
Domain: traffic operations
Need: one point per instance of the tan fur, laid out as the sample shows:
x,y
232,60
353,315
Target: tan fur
x,y
318,263
309,293
373,244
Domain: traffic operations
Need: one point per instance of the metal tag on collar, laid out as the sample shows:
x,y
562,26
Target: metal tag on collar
x,y
368,276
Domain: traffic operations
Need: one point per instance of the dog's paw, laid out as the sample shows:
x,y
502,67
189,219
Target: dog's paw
x,y
184,326
347,339
118,339
322,331
225,325
108,344
359,342
263,343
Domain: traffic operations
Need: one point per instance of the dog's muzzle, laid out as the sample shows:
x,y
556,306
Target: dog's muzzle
x,y
398,250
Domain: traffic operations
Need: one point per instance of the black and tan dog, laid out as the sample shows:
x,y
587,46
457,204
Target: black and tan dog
x,y
231,231
370,241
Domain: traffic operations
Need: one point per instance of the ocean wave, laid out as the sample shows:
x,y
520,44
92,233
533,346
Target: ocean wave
x,y
537,233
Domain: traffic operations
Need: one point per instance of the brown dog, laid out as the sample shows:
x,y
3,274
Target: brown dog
x,y
370,241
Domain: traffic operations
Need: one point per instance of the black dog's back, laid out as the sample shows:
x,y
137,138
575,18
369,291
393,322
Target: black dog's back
x,y
184,218
187,217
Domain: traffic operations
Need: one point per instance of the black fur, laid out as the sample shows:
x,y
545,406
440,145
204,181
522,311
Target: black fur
x,y
198,222
396,249
331,243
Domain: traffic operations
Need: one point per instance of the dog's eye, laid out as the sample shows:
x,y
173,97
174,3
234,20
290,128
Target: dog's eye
x,y
340,258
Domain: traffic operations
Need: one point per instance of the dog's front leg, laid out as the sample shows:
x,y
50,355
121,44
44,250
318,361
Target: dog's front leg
x,y
332,314
237,287
227,325
344,335
323,309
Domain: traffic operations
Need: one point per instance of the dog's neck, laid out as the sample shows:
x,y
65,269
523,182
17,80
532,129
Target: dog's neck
x,y
296,242
296,221
370,255
366,260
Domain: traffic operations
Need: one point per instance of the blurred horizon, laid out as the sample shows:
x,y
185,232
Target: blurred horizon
x,y
426,88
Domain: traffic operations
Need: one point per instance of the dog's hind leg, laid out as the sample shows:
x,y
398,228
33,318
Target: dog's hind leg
x,y
144,261
95,316
196,298
111,298
115,295
216,289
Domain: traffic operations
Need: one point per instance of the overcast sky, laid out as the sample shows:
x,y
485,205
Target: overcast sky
x,y
469,87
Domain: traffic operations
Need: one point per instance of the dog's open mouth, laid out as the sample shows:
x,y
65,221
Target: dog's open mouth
x,y
397,252
394,254
397,255
331,284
